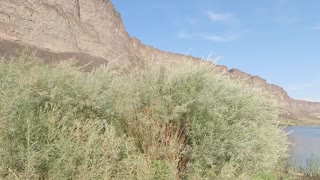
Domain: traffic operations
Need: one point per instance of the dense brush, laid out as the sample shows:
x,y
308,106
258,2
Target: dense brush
x,y
191,122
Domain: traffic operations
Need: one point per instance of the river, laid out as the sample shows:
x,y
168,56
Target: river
x,y
305,143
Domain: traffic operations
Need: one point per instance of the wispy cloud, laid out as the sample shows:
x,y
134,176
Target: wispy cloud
x,y
305,91
316,28
214,17
209,37
285,19
298,87
281,4
184,35
220,17
314,98
217,38
192,20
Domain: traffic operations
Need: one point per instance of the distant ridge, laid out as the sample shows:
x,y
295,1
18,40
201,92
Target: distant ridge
x,y
91,31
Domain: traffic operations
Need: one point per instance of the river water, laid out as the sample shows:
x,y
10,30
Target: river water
x,y
305,143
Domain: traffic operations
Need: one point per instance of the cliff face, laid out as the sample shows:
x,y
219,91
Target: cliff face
x,y
290,109
90,26
92,29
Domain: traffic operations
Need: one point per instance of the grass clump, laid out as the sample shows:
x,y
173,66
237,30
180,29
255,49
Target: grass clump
x,y
308,169
188,122
312,168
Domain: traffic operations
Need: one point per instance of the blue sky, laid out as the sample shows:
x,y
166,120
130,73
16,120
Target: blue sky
x,y
278,40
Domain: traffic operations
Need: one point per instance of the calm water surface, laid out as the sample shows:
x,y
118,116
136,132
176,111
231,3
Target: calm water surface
x,y
306,143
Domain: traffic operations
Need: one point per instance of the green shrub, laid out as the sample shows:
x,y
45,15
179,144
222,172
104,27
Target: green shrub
x,y
190,122
225,129
54,124
308,168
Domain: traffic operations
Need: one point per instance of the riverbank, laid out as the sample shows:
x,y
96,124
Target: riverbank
x,y
304,151
285,123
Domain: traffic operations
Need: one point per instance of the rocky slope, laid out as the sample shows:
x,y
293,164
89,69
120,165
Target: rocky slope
x,y
91,31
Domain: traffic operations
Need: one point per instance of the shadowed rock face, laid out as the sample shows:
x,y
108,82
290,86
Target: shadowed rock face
x,y
14,49
91,31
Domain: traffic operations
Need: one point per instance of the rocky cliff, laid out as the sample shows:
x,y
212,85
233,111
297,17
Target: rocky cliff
x,y
290,109
91,31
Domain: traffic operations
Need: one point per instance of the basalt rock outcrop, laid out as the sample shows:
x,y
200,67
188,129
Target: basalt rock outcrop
x,y
91,31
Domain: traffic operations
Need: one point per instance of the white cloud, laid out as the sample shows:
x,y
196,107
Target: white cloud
x,y
209,37
220,17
